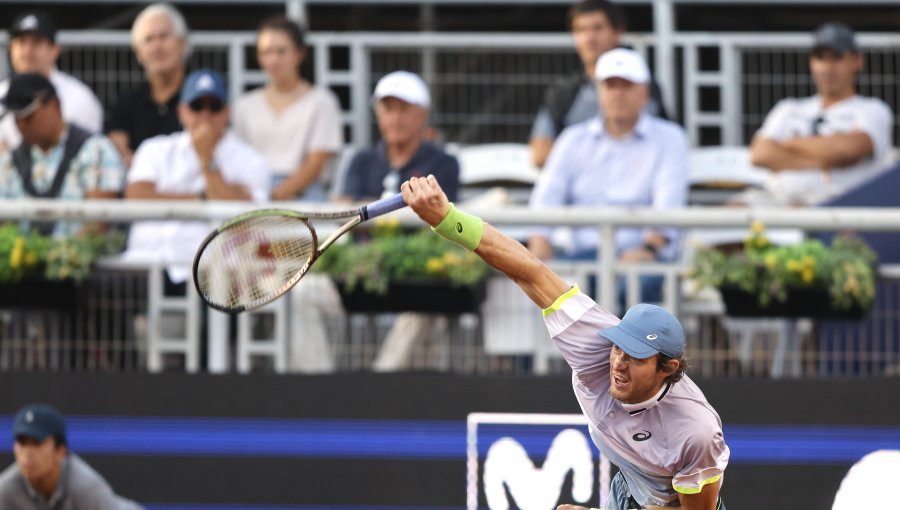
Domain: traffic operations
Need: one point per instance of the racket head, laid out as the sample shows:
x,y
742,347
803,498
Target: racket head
x,y
253,259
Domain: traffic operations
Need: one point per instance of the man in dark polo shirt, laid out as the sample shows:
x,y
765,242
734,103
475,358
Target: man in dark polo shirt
x,y
159,39
402,104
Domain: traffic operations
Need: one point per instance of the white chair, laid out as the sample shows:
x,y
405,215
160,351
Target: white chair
x,y
506,165
717,172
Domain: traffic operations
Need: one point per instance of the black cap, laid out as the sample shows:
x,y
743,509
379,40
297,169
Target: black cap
x,y
837,37
27,91
33,22
39,421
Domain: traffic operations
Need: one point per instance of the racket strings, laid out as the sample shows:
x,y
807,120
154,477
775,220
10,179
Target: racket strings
x,y
255,261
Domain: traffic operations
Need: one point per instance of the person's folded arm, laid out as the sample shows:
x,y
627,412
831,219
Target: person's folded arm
x,y
837,151
771,154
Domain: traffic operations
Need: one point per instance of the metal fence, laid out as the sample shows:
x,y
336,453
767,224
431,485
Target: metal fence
x,y
122,322
487,87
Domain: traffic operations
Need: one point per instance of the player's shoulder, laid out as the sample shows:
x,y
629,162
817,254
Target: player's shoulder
x,y
689,402
9,479
82,477
870,104
665,129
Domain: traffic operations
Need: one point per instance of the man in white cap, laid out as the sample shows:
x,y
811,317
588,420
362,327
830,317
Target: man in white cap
x,y
645,415
621,157
402,104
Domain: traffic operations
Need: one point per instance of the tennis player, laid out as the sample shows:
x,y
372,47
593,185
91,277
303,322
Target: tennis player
x,y
645,415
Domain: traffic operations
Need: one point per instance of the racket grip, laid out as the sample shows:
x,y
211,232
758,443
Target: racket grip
x,y
383,206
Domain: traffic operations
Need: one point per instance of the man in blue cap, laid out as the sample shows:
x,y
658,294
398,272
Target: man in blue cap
x,y
645,415
46,474
204,161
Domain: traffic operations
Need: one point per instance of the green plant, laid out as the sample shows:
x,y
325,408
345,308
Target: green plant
x,y
29,254
769,272
390,254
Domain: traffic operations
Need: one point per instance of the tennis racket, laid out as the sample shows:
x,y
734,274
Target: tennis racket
x,y
255,258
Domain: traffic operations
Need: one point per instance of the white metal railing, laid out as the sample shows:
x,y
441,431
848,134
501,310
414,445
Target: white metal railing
x,y
783,356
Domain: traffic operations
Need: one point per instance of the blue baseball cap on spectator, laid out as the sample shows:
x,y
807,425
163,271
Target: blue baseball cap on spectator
x,y
835,36
645,331
204,83
39,421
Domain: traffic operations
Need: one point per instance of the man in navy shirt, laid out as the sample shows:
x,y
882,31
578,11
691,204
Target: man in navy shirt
x,y
402,104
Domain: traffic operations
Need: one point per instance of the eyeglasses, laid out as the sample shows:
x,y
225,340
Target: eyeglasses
x,y
213,105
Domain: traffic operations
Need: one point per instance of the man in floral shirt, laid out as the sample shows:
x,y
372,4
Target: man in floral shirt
x,y
56,160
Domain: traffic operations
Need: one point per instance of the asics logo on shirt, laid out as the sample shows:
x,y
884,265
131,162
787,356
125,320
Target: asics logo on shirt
x,y
642,436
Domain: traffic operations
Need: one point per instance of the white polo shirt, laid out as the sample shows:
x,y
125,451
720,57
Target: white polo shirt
x,y
79,106
671,444
171,164
804,117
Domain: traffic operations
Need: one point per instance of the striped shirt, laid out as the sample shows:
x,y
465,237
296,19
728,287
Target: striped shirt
x,y
670,444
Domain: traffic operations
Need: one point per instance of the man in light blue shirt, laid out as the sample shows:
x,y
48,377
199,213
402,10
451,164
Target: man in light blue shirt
x,y
622,158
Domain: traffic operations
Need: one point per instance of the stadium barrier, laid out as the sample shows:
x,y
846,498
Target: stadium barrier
x,y
401,442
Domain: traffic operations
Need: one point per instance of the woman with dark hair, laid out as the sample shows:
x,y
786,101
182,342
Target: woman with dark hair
x,y
295,125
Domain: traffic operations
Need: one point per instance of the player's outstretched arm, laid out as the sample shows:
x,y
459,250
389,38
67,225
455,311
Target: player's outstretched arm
x,y
540,283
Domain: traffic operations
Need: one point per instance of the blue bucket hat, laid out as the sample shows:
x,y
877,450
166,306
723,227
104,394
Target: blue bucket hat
x,y
39,421
204,83
645,331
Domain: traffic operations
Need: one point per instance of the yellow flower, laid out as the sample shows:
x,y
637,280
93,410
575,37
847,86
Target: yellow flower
x,y
757,227
809,261
808,275
434,266
794,265
451,259
18,251
771,261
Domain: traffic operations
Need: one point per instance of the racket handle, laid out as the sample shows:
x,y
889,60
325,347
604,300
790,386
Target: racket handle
x,y
383,206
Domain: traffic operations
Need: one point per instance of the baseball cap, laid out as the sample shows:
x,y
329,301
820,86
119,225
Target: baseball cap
x,y
645,331
622,63
39,421
33,22
835,36
204,83
26,92
405,86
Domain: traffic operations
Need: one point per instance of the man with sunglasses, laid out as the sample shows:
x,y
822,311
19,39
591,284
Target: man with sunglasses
x,y
821,146
205,161
33,49
55,159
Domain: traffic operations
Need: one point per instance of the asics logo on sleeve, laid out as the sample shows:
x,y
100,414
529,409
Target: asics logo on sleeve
x,y
642,436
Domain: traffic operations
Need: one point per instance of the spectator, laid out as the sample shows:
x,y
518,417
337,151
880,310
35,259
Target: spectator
x,y
295,125
55,159
204,161
402,103
820,146
644,157
46,474
159,38
597,26
33,49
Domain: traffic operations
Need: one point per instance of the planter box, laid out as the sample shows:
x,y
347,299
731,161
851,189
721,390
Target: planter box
x,y
415,296
813,303
43,294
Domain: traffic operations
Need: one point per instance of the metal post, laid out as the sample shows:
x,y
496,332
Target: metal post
x,y
607,262
664,62
296,10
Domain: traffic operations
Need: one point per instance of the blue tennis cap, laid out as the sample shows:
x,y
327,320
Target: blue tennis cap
x,y
204,83
647,330
39,421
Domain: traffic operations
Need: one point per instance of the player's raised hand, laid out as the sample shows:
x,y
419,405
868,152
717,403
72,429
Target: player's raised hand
x,y
425,196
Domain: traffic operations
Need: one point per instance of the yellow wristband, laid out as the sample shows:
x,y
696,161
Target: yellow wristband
x,y
462,228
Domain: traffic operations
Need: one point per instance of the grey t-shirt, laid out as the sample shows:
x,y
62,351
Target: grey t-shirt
x,y
670,444
79,488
